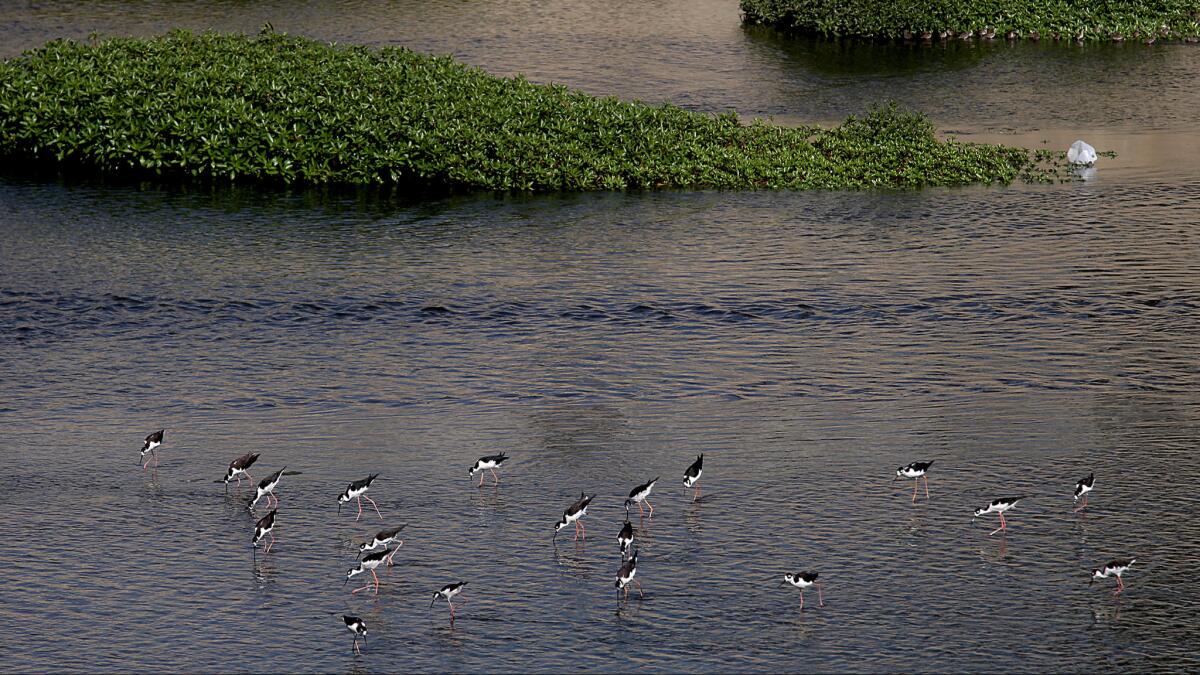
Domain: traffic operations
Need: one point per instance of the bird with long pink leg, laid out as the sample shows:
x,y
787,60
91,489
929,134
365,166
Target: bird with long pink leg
x,y
149,447
368,564
448,592
1082,488
358,490
803,580
1113,568
488,463
264,527
998,506
574,512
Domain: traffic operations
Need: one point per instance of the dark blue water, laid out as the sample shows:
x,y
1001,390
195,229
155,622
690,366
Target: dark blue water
x,y
806,343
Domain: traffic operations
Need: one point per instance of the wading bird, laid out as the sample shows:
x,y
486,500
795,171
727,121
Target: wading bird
x,y
489,463
152,442
358,490
448,592
803,580
239,467
384,538
641,494
691,476
997,506
358,627
267,488
573,513
1113,568
916,471
1082,488
368,564
625,576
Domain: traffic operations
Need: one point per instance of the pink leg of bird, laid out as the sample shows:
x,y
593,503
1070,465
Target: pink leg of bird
x,y
359,509
272,542
697,494
577,530
820,597
801,599
639,585
641,511
480,481
926,486
651,508
495,476
582,529
360,589
375,505
915,485
356,649
376,582
393,553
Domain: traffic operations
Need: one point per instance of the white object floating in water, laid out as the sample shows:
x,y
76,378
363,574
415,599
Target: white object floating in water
x,y
1081,153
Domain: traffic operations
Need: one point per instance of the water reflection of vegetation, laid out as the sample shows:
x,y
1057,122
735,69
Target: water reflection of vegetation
x,y
1012,19
295,111
833,57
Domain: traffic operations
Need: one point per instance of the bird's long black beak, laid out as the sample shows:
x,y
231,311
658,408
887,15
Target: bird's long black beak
x,y
339,508
432,601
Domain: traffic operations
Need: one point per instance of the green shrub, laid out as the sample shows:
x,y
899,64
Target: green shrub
x,y
1069,19
290,110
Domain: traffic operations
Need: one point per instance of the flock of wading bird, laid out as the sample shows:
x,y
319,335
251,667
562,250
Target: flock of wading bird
x,y
382,540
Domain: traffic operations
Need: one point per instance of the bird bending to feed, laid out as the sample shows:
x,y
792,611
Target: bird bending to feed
x,y
240,467
573,513
368,564
803,580
625,537
489,463
997,506
916,471
152,441
625,576
265,526
641,494
384,538
691,476
448,592
1082,488
358,627
267,487
358,490
1113,568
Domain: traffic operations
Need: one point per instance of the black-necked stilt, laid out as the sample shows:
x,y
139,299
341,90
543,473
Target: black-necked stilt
x,y
573,513
385,538
1082,488
448,592
358,490
152,441
691,476
267,487
358,627
916,471
489,463
625,576
1113,568
997,506
803,580
625,537
641,494
368,564
264,527
240,467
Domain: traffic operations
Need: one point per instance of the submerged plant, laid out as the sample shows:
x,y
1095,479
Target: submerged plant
x,y
291,110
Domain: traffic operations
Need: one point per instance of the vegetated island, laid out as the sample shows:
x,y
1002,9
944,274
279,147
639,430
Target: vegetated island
x,y
279,109
1079,20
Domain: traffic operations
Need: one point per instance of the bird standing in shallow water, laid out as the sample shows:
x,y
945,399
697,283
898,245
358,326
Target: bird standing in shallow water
x,y
368,564
691,476
448,592
384,538
152,442
489,463
1082,488
573,513
625,537
916,471
1113,568
803,580
625,576
358,490
358,627
239,467
997,506
267,487
641,494
265,526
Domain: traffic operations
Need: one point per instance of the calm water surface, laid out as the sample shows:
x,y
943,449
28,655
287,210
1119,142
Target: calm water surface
x,y
808,344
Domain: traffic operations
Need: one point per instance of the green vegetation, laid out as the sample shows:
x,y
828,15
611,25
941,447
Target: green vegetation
x,y
1146,20
282,109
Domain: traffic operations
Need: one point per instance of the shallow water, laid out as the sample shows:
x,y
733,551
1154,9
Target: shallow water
x,y
808,344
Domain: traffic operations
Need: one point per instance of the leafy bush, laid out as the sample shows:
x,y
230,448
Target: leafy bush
x,y
1068,19
284,109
